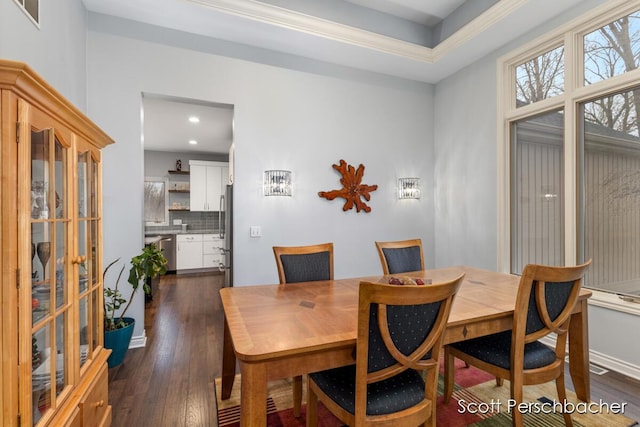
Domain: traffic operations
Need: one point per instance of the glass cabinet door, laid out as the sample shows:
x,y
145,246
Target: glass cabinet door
x,y
50,299
87,236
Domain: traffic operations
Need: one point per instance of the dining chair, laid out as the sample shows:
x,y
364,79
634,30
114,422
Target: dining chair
x,y
545,300
303,264
395,376
401,256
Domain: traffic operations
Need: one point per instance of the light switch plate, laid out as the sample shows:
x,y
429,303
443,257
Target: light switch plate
x,y
255,231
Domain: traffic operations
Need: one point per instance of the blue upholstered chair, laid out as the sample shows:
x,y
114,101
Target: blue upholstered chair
x,y
401,256
546,297
395,378
303,264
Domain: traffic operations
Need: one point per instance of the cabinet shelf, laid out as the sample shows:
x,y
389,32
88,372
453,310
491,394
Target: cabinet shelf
x,y
171,172
40,283
179,210
179,191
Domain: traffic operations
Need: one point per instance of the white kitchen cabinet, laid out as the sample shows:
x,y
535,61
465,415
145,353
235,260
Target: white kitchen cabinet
x,y
208,180
226,178
189,251
212,255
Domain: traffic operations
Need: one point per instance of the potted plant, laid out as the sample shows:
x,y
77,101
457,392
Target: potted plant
x,y
118,329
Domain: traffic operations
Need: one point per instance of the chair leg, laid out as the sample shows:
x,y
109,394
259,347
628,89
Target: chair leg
x,y
449,374
562,397
499,381
516,395
312,407
297,395
431,422
431,394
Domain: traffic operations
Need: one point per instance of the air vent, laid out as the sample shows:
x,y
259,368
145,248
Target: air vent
x,y
630,297
594,369
32,9
598,370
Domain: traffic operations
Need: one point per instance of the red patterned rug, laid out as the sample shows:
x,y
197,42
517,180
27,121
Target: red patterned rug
x,y
477,401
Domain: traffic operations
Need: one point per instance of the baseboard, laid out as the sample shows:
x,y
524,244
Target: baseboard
x,y
625,368
605,361
139,341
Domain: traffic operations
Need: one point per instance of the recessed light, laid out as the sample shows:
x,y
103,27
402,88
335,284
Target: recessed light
x,y
194,119
193,142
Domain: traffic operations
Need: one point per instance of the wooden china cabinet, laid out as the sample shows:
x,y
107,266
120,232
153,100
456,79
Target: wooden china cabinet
x,y
54,370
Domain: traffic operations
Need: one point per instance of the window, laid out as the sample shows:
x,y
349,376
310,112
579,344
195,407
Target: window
x,y
155,201
611,182
612,49
541,77
536,187
31,8
571,150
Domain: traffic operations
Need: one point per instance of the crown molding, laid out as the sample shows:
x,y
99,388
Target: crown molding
x,y
296,21
478,25
301,22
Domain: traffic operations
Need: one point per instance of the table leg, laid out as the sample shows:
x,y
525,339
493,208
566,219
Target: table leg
x,y
228,363
253,395
579,352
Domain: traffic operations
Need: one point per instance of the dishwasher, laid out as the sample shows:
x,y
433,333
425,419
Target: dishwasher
x,y
167,244
168,247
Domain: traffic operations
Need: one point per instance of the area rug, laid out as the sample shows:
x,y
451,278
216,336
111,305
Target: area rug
x,y
477,401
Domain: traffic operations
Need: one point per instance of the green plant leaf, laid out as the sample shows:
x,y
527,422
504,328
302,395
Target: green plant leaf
x,y
149,264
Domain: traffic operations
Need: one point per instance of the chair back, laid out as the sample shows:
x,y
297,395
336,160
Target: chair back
x,y
401,256
304,263
400,328
546,297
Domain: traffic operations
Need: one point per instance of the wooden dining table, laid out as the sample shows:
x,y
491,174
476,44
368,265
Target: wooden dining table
x,y
281,331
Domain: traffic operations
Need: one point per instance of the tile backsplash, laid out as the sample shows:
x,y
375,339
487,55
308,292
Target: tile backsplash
x,y
194,220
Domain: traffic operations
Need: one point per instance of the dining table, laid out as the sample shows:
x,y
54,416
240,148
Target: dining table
x,y
286,330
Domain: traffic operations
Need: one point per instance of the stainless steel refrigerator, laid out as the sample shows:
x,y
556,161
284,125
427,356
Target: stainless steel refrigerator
x,y
226,233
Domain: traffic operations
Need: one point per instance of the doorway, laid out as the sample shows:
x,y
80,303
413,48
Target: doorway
x,y
175,132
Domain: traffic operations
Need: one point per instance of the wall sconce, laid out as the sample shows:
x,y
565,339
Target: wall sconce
x,y
409,188
277,183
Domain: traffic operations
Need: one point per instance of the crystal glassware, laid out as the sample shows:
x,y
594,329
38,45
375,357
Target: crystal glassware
x,y
44,252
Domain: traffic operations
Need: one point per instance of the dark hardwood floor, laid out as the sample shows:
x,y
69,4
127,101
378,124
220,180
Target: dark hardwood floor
x,y
170,382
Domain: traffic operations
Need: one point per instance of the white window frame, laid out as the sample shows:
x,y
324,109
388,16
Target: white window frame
x,y
571,35
34,19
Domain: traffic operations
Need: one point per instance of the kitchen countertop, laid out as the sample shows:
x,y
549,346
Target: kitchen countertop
x,y
148,234
152,239
155,236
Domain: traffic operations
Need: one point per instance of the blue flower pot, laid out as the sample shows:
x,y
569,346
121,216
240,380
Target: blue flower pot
x,y
118,342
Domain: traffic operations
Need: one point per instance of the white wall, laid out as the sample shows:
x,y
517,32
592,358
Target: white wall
x,y
56,50
614,350
465,189
284,119
465,167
